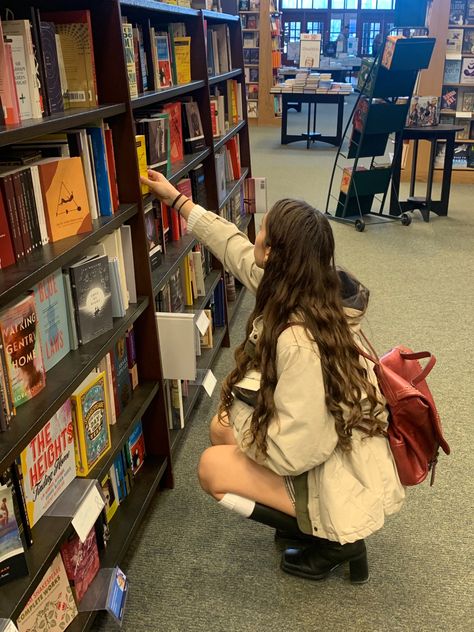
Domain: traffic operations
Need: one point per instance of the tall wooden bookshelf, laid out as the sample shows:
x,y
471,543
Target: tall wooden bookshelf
x,y
147,403
261,107
431,84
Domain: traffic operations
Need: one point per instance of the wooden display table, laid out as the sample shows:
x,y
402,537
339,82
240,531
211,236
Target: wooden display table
x,y
424,204
312,99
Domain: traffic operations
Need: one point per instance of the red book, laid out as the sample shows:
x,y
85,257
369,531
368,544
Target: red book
x,y
109,146
175,225
8,84
7,254
176,131
184,186
8,191
81,561
231,145
22,213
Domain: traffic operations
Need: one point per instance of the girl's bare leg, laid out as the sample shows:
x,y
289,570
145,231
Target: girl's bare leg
x,y
220,434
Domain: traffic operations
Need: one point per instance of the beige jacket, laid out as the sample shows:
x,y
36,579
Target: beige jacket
x,y
341,496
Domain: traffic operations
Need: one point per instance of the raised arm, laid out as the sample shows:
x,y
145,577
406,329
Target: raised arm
x,y
222,238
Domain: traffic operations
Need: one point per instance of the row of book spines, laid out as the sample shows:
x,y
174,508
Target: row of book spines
x,y
230,162
29,216
234,209
219,56
226,109
40,65
170,55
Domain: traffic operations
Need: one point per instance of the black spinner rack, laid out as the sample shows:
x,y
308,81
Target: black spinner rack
x,y
380,110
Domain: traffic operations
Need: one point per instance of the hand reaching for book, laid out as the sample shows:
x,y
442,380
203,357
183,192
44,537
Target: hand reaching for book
x,y
160,187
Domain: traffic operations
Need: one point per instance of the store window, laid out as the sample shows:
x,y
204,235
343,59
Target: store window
x,y
344,4
369,31
335,28
315,27
291,34
381,5
305,4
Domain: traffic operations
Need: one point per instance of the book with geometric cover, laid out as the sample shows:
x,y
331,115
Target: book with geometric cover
x,y
22,350
90,283
449,99
467,71
454,41
91,422
51,608
65,198
48,463
52,318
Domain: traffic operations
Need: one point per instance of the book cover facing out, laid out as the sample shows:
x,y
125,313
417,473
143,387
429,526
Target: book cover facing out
x,y
22,349
136,447
110,495
12,553
90,283
176,131
65,197
81,561
51,608
50,300
122,376
91,425
47,463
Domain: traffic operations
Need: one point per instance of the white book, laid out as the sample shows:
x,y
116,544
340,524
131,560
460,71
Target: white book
x,y
94,178
39,205
127,249
111,245
89,174
176,339
62,68
23,28
118,309
21,76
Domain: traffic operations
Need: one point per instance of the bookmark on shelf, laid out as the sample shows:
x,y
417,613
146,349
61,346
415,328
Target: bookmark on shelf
x,y
207,379
202,321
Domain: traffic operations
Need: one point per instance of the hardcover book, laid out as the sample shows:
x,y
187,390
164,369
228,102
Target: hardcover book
x,y
7,254
90,284
164,63
127,31
457,12
22,349
47,463
91,422
122,386
469,13
449,98
81,561
140,145
75,34
49,51
12,554
64,197
468,42
467,71
454,41
176,131
452,70
152,229
50,300
157,140
182,56
109,489
136,448
468,102
423,112
194,135
51,608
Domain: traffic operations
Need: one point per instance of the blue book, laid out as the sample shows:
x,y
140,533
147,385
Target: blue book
x,y
53,318
120,476
123,387
101,170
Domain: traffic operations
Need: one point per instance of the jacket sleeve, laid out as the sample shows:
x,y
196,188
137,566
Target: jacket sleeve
x,y
232,247
303,433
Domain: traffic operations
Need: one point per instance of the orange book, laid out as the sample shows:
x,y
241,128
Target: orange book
x,y
64,197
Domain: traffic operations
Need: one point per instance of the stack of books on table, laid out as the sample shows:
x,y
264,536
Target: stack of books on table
x,y
312,83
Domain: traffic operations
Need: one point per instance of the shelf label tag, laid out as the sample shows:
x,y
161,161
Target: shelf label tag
x,y
202,322
87,513
209,382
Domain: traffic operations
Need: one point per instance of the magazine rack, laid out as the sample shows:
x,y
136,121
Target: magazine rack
x,y
380,110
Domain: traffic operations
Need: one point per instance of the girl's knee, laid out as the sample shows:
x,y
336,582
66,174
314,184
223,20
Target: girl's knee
x,y
207,470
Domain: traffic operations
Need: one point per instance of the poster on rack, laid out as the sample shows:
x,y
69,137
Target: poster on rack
x,y
310,50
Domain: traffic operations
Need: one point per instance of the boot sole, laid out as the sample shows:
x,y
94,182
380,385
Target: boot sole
x,y
291,570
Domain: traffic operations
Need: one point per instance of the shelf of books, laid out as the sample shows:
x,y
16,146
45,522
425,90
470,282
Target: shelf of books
x,y
261,29
457,98
91,97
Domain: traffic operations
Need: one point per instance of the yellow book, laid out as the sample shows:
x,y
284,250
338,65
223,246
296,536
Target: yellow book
x,y
91,422
182,52
141,155
187,288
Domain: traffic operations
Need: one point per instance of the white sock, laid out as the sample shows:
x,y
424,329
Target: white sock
x,y
239,504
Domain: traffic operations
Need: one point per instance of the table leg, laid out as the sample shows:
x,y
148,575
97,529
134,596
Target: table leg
x,y
447,172
340,117
284,118
314,117
429,184
396,169
413,169
308,131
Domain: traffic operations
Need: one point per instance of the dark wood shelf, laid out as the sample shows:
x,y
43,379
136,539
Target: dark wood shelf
x,y
73,117
175,251
210,283
232,187
120,431
180,169
224,76
61,381
19,278
50,532
159,7
149,98
228,135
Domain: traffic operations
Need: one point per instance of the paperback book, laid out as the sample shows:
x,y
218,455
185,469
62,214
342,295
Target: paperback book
x,y
467,71
51,608
47,463
12,554
423,112
452,70
449,99
81,561
91,426
22,349
468,102
110,492
194,135
50,300
468,42
120,375
457,12
90,284
136,448
454,41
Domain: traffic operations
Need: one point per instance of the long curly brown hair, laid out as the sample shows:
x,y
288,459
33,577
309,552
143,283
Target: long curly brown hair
x,y
300,281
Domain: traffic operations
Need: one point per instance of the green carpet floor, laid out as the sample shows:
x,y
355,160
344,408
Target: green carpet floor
x,y
194,566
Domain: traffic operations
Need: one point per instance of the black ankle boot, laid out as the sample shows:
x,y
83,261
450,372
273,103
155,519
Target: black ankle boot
x,y
286,526
318,560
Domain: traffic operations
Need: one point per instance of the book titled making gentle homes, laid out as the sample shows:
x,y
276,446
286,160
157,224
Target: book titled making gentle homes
x,y
90,284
